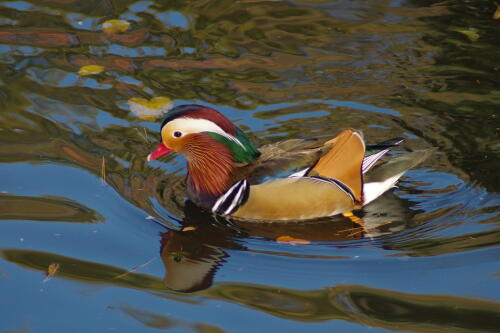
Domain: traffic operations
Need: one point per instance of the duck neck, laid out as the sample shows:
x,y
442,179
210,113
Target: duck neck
x,y
210,172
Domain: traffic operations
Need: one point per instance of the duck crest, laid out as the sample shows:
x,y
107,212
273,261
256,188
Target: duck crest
x,y
231,136
196,111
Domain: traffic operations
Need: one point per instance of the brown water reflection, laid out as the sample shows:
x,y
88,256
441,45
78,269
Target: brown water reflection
x,y
193,254
13,207
368,306
159,321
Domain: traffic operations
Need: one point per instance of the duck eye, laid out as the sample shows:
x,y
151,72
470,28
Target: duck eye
x,y
177,134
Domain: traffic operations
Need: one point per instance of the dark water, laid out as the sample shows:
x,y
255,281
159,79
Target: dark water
x,y
76,190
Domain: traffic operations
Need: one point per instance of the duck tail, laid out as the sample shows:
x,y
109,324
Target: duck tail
x,y
383,176
343,161
375,152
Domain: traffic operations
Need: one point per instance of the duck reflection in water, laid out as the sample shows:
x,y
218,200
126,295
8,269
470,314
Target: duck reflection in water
x,y
193,255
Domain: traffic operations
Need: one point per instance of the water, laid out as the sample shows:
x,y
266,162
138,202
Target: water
x,y
76,189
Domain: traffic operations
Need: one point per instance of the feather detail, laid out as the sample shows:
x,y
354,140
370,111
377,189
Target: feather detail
x,y
210,165
241,153
300,173
375,152
370,160
343,161
232,199
383,177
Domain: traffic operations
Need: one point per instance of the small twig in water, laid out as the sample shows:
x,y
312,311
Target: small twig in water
x,y
145,136
133,269
103,171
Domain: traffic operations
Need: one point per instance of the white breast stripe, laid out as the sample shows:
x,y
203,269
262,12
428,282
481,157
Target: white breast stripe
x,y
232,199
242,184
224,197
237,198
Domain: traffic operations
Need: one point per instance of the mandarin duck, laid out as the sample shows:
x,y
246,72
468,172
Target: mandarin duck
x,y
291,180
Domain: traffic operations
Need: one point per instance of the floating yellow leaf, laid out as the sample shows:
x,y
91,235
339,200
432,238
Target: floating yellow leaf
x,y
51,271
115,26
292,240
471,34
90,70
496,15
189,229
150,110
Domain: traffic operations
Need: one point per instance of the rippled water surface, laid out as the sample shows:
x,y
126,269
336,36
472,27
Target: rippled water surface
x,y
95,239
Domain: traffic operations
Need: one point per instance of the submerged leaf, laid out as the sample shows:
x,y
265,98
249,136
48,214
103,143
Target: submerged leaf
x,y
471,34
496,14
114,26
150,110
90,70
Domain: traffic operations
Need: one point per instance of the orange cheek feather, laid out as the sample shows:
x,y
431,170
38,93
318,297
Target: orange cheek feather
x,y
168,146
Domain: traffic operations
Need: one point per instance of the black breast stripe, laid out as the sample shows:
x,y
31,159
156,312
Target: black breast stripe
x,y
230,201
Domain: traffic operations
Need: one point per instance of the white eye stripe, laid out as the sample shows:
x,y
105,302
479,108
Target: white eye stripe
x,y
187,125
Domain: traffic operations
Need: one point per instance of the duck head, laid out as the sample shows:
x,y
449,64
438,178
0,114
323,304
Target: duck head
x,y
212,145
